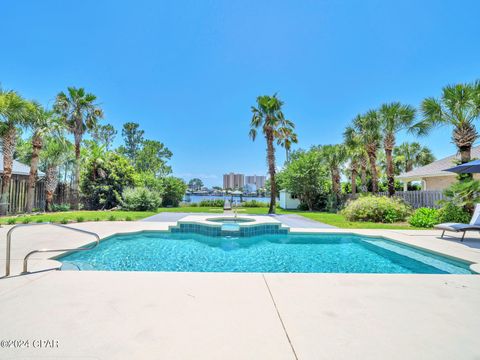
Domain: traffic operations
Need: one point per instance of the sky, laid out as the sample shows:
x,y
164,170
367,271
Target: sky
x,y
189,71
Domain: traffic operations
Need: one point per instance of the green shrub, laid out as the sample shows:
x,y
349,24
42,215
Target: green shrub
x,y
64,221
193,205
173,191
254,204
377,209
39,221
424,217
211,203
80,219
453,213
11,221
60,207
26,220
96,219
128,218
141,199
112,218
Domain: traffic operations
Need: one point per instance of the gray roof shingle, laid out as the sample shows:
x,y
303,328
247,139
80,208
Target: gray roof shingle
x,y
436,168
18,168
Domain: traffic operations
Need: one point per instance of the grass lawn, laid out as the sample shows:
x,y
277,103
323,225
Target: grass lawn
x,y
327,218
340,221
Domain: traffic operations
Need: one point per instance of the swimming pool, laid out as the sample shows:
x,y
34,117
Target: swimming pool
x,y
313,253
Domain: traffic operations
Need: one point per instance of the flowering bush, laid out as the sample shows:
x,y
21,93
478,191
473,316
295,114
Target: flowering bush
x,y
377,209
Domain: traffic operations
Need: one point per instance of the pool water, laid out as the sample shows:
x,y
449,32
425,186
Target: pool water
x,y
323,253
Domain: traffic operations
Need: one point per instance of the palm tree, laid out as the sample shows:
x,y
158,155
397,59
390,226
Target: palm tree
x,y
366,130
42,122
358,160
334,156
409,155
12,114
55,152
268,116
80,113
393,118
287,138
458,107
355,159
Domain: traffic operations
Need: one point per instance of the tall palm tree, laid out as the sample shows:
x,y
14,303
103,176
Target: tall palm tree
x,y
55,152
12,114
42,123
458,107
412,154
269,118
358,160
393,118
80,113
334,156
355,160
366,128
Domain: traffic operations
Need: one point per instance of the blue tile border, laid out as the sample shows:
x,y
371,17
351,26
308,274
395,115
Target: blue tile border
x,y
251,230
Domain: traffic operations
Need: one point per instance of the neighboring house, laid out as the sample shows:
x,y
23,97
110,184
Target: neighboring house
x,y
433,176
19,187
18,169
288,201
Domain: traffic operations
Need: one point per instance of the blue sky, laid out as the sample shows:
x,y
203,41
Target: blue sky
x,y
188,71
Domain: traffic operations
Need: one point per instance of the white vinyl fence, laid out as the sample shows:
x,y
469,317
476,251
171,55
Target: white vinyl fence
x,y
421,198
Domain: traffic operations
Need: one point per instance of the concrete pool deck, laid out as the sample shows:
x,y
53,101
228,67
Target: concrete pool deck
x,y
143,315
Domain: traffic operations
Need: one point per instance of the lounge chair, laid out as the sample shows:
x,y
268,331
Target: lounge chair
x,y
457,227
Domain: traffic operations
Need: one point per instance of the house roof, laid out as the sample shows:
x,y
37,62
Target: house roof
x,y
18,168
437,168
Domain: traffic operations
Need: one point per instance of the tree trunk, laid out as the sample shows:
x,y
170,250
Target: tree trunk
x,y
390,172
408,166
271,169
51,181
465,154
388,145
363,175
336,187
32,177
76,178
354,181
373,167
464,135
8,146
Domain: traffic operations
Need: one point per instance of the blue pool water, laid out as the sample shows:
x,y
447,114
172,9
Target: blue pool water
x,y
324,253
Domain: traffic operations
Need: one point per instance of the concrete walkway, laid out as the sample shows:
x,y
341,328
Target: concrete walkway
x,y
169,216
291,220
297,221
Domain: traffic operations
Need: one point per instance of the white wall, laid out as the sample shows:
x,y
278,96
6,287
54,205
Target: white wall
x,y
286,202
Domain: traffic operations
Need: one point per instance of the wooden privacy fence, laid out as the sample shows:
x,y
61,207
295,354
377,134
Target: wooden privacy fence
x,y
18,194
63,194
420,198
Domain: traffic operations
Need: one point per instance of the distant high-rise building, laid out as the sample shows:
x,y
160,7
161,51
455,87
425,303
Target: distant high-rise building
x,y
233,181
238,181
257,180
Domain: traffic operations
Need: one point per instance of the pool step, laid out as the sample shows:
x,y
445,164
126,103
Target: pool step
x,y
76,266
